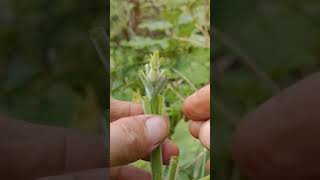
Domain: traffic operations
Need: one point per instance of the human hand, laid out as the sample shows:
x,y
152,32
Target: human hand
x,y
197,108
279,139
133,136
29,151
79,155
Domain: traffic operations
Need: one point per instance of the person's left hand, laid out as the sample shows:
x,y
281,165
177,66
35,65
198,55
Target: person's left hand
x,y
133,136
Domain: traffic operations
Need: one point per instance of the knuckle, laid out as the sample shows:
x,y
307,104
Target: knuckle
x,y
136,141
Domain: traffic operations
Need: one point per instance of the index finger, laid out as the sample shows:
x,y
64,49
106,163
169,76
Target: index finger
x,y
120,109
197,106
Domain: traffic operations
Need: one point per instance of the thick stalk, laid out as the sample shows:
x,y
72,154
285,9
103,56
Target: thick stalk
x,y
172,174
205,178
156,163
154,105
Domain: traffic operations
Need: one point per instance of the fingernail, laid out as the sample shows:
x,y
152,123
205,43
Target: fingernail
x,y
157,129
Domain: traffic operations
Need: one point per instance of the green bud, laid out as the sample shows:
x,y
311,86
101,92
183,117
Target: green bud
x,y
153,75
147,68
155,60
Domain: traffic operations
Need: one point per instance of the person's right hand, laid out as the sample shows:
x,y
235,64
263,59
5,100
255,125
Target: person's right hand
x,y
280,139
197,108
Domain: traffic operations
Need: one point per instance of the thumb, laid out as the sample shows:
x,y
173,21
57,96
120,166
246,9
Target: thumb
x,y
134,137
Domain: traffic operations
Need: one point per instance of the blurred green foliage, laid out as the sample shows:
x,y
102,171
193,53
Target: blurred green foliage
x,y
260,47
49,68
179,29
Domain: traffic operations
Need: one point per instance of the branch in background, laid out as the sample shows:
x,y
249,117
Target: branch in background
x,y
100,40
247,60
185,78
154,6
181,97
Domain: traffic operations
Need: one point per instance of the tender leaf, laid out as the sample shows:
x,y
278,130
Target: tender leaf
x,y
147,85
160,85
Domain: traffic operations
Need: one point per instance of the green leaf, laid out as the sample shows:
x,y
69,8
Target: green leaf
x,y
155,25
196,62
161,85
146,42
148,86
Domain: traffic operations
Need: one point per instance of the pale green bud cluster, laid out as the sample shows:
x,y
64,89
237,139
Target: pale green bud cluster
x,y
153,78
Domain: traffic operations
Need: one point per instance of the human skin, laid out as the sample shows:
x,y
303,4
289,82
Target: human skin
x,y
133,136
197,108
279,140
30,151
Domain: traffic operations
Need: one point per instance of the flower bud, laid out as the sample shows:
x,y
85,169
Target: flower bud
x,y
153,75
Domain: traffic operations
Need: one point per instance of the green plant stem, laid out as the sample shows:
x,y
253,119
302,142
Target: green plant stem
x,y
205,178
154,106
173,168
156,163
204,161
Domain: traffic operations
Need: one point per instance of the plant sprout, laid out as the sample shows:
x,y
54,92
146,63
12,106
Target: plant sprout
x,y
155,80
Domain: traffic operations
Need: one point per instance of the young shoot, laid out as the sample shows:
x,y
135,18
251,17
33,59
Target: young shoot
x,y
154,80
